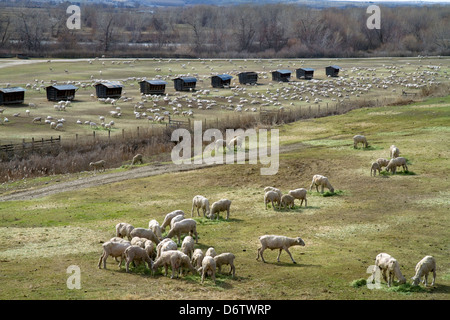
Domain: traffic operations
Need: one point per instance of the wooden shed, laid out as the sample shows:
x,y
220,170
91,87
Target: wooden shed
x,y
184,83
332,71
61,92
221,80
108,90
306,73
281,75
249,77
14,95
153,86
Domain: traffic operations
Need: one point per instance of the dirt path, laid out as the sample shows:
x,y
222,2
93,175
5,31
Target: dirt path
x,y
105,178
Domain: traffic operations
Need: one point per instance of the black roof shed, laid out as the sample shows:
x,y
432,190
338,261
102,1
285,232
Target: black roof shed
x,y
61,92
13,95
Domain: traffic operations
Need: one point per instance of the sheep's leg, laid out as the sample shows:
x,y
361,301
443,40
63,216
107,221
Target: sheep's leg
x,y
104,260
434,277
219,268
128,265
233,269
100,261
425,279
321,189
260,252
228,213
290,255
279,253
166,267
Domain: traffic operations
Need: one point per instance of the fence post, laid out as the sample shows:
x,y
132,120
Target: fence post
x,y
138,132
93,134
123,133
32,144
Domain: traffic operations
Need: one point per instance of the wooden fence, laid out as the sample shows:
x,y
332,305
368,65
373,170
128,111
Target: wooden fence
x,y
7,151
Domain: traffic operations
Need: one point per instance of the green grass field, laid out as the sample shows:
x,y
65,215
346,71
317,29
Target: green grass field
x,y
403,215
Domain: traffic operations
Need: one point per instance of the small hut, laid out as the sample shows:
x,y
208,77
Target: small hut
x,y
61,92
332,71
185,83
249,77
306,73
14,95
221,80
108,90
153,86
281,75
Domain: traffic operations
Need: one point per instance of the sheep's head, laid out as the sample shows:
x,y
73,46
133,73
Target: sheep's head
x,y
415,281
300,242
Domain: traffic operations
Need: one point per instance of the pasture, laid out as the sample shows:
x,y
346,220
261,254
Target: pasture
x,y
405,215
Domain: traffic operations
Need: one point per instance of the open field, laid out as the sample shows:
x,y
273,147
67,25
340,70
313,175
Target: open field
x,y
405,215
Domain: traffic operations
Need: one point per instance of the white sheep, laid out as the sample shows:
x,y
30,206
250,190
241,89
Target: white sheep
x,y
169,217
322,181
173,258
144,243
360,139
235,142
389,268
156,228
136,253
396,162
200,202
124,230
278,242
266,189
165,245
373,169
197,258
272,196
211,252
114,249
394,152
287,201
187,247
182,227
175,220
144,233
218,206
423,268
226,258
137,159
382,162
208,268
299,194
98,165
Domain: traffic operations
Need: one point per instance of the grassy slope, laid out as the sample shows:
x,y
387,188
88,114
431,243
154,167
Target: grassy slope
x,y
404,215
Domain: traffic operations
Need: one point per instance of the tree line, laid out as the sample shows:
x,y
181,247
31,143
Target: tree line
x,y
241,31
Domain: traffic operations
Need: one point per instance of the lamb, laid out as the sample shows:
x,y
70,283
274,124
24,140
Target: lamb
x,y
360,139
394,152
156,228
144,243
187,247
136,253
137,159
208,268
319,180
225,259
287,201
218,206
299,194
423,268
114,249
272,196
278,242
184,226
169,217
144,233
124,230
200,202
373,169
211,252
98,165
382,162
197,258
396,162
175,220
174,258
165,245
388,264
266,189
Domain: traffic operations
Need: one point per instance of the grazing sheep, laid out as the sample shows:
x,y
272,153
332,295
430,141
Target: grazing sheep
x,y
272,196
208,268
187,247
373,169
322,181
299,194
278,242
423,268
37,119
388,264
174,258
360,139
197,258
114,249
98,165
200,202
396,162
156,228
382,162
218,206
394,152
175,220
165,245
144,243
184,226
185,263
287,201
266,189
169,217
144,233
136,253
211,252
124,230
225,259
137,159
